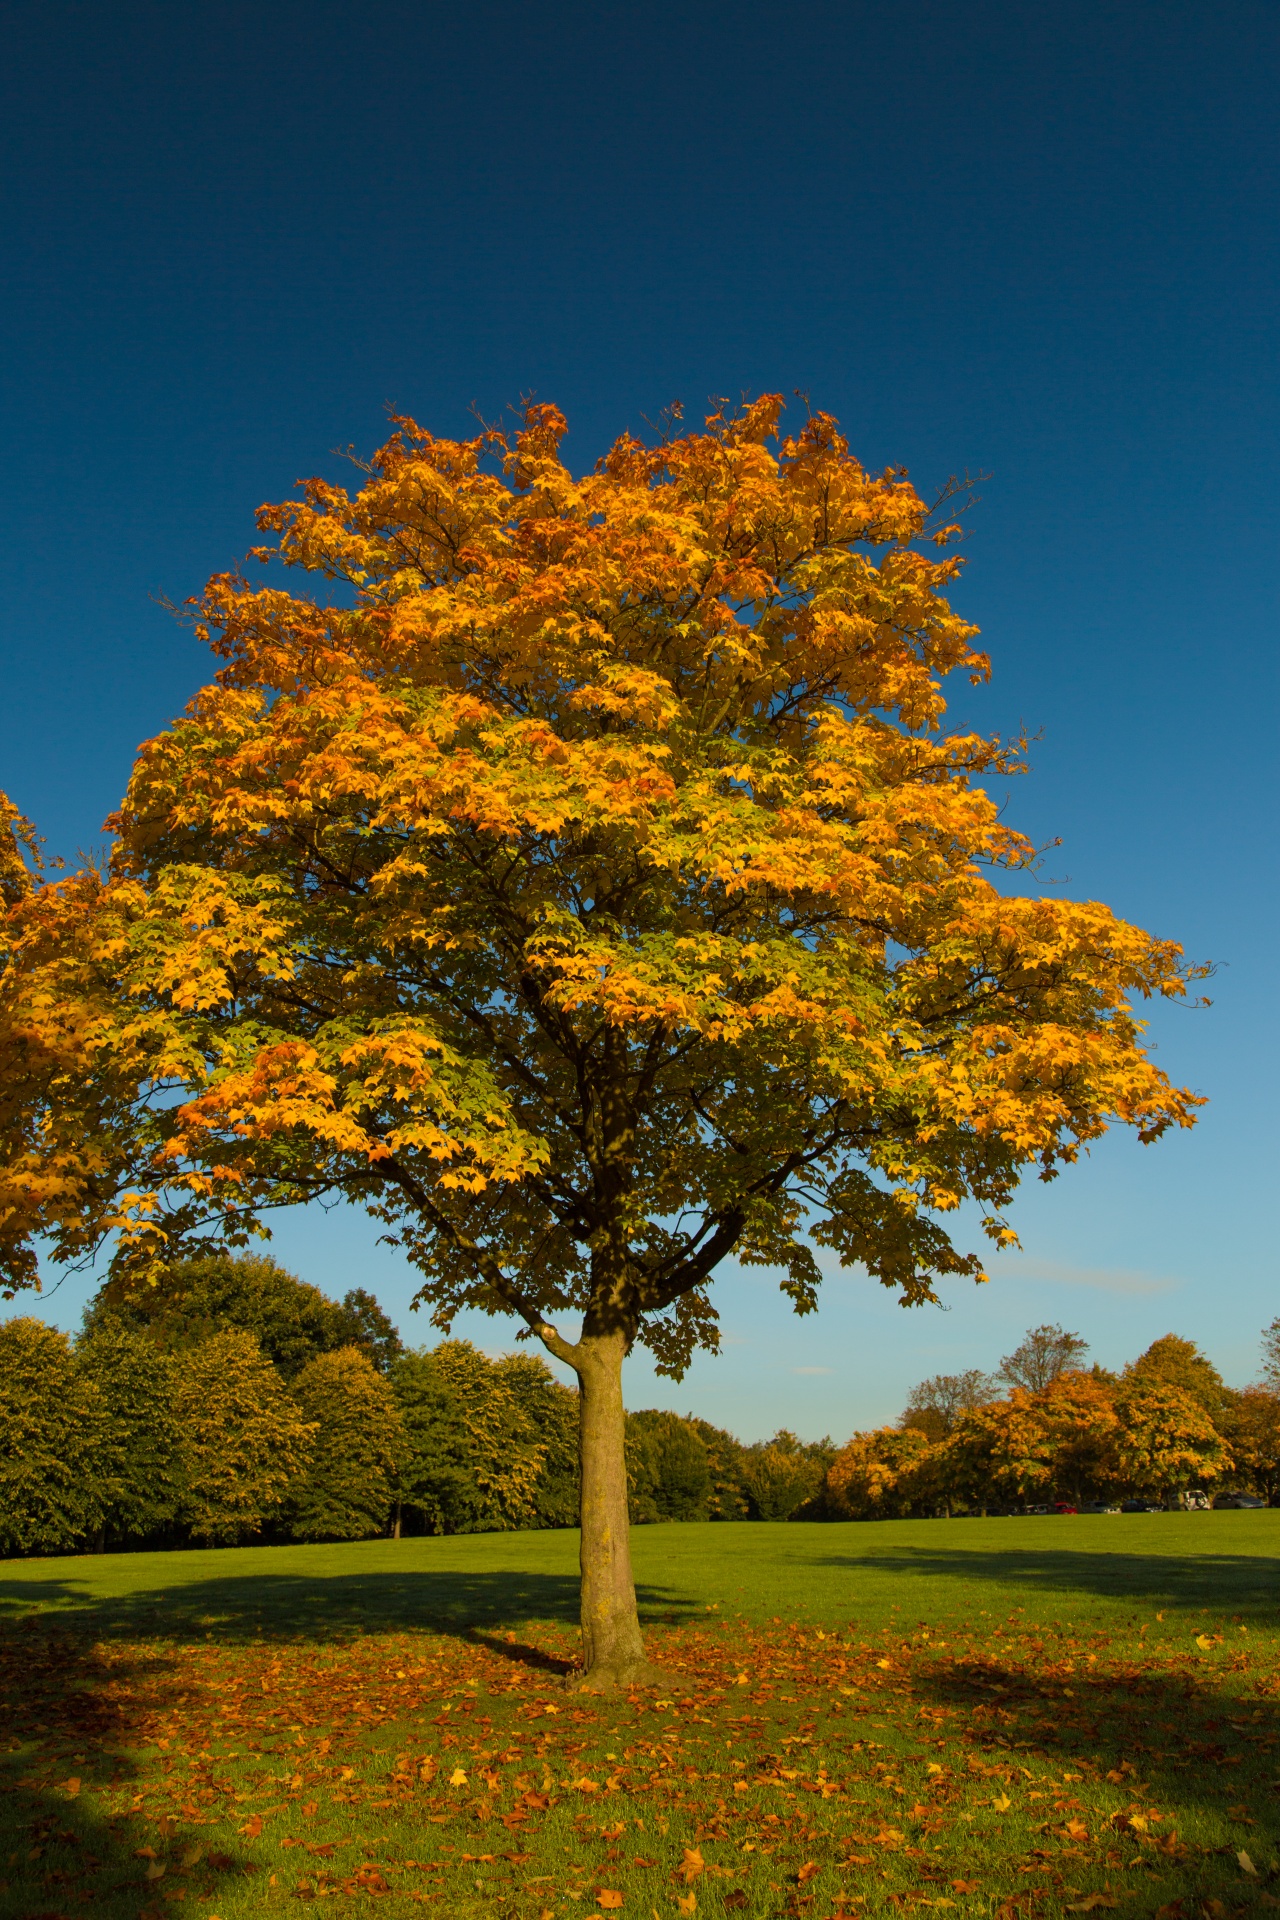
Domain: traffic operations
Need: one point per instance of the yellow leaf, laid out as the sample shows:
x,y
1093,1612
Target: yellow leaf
x,y
689,1904
1003,1804
155,1870
457,1778
691,1866
608,1897
1203,1640
1246,1864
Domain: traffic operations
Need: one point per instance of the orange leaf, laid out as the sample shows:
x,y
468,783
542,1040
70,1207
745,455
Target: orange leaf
x,y
807,1872
691,1866
608,1897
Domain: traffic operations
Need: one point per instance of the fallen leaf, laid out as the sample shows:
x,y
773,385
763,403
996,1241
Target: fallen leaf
x,y
691,1866
457,1778
1246,1864
1002,1804
608,1897
965,1886
155,1870
252,1827
71,1787
1203,1640
1093,1900
689,1904
1076,1828
807,1872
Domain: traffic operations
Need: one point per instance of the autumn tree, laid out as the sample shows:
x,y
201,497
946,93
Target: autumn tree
x,y
348,1486
1166,1440
1250,1424
1172,1361
584,881
881,1475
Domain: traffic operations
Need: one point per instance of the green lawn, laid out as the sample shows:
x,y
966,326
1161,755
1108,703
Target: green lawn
x,y
1004,1717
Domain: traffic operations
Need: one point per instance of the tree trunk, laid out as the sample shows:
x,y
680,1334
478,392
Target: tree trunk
x,y
395,1524
612,1649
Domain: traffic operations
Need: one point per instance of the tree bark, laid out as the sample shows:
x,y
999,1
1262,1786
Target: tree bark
x,y
612,1648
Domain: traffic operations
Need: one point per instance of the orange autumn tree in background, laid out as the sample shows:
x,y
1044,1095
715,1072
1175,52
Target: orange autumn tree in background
x,y
582,881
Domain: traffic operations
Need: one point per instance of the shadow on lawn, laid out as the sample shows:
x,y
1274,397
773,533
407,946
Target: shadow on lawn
x,y
1221,1582
303,1607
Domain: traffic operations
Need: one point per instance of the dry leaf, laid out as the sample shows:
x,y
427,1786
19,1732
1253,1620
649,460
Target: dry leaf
x,y
1246,1864
608,1897
691,1866
457,1778
807,1872
1093,1900
1002,1804
688,1904
71,1787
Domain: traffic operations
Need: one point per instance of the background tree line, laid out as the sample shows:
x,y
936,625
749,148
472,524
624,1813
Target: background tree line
x,y
237,1403
1045,1428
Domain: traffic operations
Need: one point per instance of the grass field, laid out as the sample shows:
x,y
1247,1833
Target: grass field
x,y
1005,1717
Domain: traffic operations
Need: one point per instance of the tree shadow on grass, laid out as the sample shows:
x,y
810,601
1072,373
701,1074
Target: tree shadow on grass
x,y
84,1680
287,1606
1190,1753
1244,1584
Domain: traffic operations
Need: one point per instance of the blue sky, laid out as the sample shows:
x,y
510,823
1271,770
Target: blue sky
x,y
1034,243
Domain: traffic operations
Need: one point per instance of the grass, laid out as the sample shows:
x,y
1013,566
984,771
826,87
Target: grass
x,y
1006,1717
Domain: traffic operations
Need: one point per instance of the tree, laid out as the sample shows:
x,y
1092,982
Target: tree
x,y
880,1475
1045,1353
588,888
726,1499
667,1468
1166,1439
51,1422
348,1485
1174,1362
1271,1355
478,1439
138,1453
243,1439
782,1475
947,1395
1250,1424
291,1320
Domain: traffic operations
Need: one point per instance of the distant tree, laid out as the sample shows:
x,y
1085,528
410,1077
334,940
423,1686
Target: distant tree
x,y
138,1457
726,1496
1250,1424
668,1471
780,1476
551,1409
291,1320
1166,1440
348,1486
243,1437
1271,1355
1174,1362
1044,1354
882,1475
51,1424
948,1395
364,1324
1078,1414
1002,1452
474,1451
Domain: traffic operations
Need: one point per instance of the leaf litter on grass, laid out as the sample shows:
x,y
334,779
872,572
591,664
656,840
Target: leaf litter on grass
x,y
1008,1769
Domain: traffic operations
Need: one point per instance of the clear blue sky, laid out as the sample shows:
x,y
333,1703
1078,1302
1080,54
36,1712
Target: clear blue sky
x,y
1034,242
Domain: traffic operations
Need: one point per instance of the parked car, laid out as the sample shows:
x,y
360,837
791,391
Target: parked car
x,y
1096,1506
1064,1506
1238,1500
1141,1506
1039,1509
1192,1501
